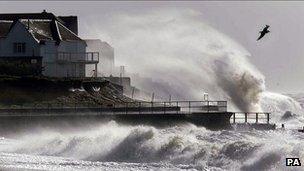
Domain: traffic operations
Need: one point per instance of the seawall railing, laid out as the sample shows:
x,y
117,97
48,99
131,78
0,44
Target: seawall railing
x,y
250,117
86,57
138,107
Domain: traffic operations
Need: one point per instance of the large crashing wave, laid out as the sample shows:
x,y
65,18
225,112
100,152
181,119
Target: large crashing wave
x,y
278,104
188,145
183,56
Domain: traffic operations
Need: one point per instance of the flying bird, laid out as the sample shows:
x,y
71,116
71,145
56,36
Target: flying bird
x,y
263,32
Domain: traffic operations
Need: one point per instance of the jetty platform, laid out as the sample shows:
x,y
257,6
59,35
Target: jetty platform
x,y
210,114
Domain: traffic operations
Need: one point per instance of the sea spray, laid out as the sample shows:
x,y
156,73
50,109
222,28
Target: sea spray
x,y
184,57
174,52
242,87
278,105
186,146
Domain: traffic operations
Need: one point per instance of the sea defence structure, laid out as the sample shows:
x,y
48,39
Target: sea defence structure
x,y
210,114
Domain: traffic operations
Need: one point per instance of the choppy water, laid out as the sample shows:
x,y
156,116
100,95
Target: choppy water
x,y
185,147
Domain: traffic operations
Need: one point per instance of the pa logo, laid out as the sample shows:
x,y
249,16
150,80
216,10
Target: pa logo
x,y
293,162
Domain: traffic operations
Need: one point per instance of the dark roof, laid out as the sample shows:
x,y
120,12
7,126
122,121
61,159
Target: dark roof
x,y
17,16
43,30
66,34
43,26
4,28
71,22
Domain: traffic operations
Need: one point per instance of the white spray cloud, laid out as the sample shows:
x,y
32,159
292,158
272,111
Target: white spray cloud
x,y
184,57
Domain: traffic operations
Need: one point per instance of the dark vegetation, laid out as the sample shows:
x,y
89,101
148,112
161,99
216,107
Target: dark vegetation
x,y
44,91
19,68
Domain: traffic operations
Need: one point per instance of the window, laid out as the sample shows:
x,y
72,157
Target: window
x,y
19,47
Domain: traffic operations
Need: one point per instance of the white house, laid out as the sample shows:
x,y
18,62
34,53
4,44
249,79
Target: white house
x,y
45,39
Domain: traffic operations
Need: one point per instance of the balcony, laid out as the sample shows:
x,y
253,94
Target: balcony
x,y
86,58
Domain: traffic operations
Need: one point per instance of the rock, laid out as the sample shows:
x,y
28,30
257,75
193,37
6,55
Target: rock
x,y
288,115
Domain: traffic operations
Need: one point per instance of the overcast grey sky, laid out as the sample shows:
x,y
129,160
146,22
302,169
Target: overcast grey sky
x,y
279,56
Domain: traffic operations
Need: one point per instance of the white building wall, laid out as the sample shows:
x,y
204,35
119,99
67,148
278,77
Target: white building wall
x,y
48,50
65,69
19,34
78,51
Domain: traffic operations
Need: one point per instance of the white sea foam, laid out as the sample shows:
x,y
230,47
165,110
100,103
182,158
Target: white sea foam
x,y
187,146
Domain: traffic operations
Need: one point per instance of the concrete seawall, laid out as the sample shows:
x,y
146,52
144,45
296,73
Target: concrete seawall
x,y
29,118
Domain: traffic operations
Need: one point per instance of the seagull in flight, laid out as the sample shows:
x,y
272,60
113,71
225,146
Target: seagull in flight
x,y
263,32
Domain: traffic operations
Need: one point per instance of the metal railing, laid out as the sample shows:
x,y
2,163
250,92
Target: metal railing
x,y
90,57
170,107
250,117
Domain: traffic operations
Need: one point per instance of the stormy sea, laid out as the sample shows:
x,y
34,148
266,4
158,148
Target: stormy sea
x,y
110,146
185,57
